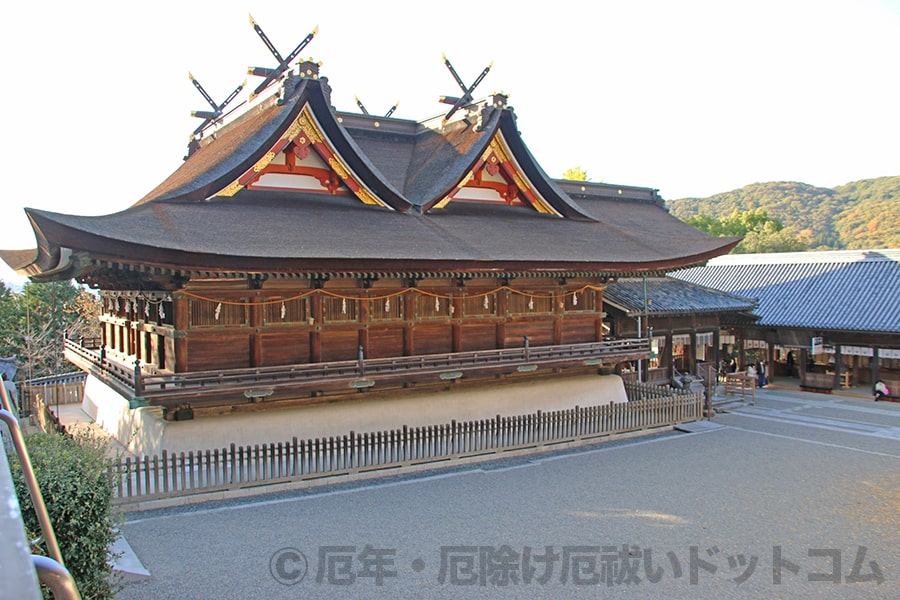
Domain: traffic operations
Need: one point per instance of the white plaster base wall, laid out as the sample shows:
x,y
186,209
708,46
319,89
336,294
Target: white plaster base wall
x,y
141,430
144,431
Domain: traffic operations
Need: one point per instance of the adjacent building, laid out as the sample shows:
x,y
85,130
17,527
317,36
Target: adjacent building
x,y
828,318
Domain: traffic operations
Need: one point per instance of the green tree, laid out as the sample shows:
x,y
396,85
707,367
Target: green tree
x,y
860,214
760,232
33,321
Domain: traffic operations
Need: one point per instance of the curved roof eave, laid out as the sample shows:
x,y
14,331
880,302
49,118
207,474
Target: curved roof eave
x,y
545,186
356,159
147,235
237,147
47,259
463,168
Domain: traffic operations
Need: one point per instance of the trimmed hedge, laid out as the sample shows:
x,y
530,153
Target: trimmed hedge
x,y
71,471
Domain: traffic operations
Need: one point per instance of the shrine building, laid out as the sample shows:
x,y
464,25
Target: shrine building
x,y
303,253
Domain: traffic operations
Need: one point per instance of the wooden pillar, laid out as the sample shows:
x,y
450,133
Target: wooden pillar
x,y
669,355
717,348
169,357
256,323
456,323
598,322
558,300
690,359
153,359
315,336
838,366
130,341
365,317
409,313
502,307
873,364
181,319
104,334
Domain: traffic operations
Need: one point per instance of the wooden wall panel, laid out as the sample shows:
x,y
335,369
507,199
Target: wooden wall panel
x,y
478,336
285,348
222,349
433,339
577,331
385,343
339,344
540,333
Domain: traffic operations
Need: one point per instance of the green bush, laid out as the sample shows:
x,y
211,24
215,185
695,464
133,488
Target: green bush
x,y
71,471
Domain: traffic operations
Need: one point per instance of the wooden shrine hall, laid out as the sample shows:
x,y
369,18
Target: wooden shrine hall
x,y
303,253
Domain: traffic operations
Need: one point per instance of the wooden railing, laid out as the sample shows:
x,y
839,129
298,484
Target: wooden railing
x,y
740,385
171,389
54,390
637,390
235,467
89,355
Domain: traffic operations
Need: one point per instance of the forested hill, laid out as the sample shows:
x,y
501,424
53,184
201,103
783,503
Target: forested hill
x,y
860,214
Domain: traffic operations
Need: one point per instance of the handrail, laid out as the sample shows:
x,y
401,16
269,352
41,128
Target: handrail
x,y
74,376
37,499
56,577
380,366
149,385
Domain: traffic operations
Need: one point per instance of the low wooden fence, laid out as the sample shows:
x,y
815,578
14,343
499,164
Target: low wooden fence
x,y
67,388
740,385
235,467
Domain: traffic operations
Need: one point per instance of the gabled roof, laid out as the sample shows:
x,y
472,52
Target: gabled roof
x,y
666,296
388,196
852,290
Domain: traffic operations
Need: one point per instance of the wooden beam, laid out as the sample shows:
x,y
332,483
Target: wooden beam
x,y
182,322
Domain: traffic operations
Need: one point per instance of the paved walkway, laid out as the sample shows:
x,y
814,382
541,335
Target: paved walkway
x,y
797,496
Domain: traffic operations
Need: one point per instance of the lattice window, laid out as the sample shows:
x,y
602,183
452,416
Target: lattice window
x,y
209,313
386,309
432,307
335,310
581,301
295,310
480,305
520,304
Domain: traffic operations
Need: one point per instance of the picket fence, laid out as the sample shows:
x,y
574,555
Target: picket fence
x,y
235,467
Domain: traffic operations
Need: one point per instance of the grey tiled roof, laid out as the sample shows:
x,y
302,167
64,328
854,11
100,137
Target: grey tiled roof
x,y
667,296
840,290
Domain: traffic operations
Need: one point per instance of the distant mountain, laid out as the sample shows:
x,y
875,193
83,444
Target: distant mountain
x,y
860,214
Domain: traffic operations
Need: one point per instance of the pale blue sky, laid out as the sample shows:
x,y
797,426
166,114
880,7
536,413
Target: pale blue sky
x,y
689,97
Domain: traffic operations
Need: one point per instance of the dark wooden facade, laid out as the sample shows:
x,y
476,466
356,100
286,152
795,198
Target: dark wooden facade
x,y
683,322
230,325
